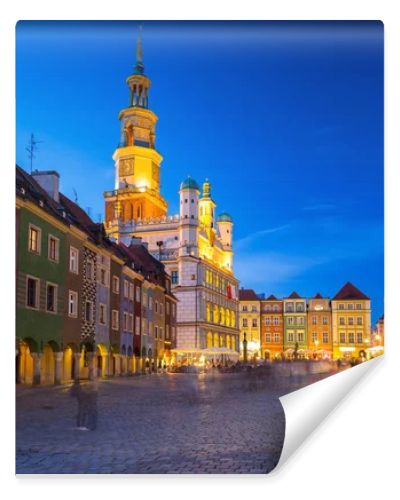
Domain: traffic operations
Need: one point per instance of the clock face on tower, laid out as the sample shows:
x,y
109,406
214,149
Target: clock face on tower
x,y
318,307
126,167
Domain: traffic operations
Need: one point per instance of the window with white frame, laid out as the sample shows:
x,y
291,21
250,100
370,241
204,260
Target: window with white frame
x,y
72,304
244,322
150,300
267,321
290,336
276,321
32,292
325,320
131,322
156,332
131,291
290,320
276,337
137,325
104,277
268,338
254,323
115,284
342,337
102,314
341,321
73,260
341,307
89,311
325,337
137,293
126,321
300,337
53,248
34,239
51,297
314,336
314,320
359,320
350,307
351,338
359,337
126,288
358,307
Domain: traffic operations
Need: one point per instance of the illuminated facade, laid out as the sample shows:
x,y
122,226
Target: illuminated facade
x,y
295,325
195,245
351,322
319,327
271,325
249,314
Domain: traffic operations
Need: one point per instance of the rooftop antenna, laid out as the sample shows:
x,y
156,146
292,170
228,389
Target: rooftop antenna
x,y
88,210
99,217
31,148
75,195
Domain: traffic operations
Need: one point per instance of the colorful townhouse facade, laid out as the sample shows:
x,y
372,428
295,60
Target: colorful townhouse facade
x,y
351,322
271,327
295,326
73,319
319,326
249,318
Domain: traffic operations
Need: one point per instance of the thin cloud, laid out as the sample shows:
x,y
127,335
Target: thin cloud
x,y
258,234
320,207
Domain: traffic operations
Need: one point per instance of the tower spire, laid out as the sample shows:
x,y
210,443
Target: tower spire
x,y
139,68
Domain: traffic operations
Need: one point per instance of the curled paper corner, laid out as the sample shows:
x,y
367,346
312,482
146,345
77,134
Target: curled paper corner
x,y
306,408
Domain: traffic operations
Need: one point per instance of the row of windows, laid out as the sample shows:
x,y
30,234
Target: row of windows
x,y
215,314
276,336
350,307
293,320
215,280
158,306
293,337
250,308
291,307
325,337
275,320
33,295
314,320
245,322
35,243
351,336
350,321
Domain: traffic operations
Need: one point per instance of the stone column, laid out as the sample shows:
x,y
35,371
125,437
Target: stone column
x,y
77,365
58,357
36,356
91,359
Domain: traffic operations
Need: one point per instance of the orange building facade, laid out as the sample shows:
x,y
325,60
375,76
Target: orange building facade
x,y
271,327
319,327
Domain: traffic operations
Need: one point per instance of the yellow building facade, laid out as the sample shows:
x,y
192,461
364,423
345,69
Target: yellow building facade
x,y
249,318
351,323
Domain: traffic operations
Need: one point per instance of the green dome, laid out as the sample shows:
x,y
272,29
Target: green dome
x,y
224,217
189,183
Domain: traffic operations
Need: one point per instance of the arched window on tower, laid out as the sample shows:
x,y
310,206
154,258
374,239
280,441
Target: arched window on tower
x,y
131,211
129,135
139,211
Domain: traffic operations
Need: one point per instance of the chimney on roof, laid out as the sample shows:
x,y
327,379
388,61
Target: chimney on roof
x,y
49,180
138,241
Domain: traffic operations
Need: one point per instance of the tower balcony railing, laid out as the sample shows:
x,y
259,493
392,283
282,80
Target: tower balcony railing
x,y
166,254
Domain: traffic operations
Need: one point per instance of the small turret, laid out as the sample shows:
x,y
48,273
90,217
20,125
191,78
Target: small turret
x,y
225,226
188,211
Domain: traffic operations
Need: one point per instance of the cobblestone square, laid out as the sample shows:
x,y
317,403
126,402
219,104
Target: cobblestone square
x,y
166,423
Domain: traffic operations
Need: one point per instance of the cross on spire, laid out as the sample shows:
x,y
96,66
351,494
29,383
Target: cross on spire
x,y
139,68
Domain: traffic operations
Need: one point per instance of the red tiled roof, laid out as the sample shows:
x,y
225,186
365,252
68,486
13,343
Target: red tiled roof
x,y
247,294
294,295
271,297
349,292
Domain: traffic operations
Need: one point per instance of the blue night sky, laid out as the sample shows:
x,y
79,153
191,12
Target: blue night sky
x,y
284,118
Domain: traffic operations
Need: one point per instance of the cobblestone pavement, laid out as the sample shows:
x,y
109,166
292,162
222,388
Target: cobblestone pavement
x,y
170,423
